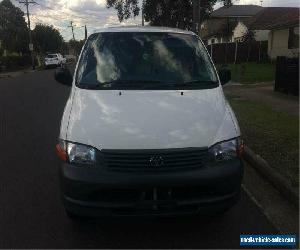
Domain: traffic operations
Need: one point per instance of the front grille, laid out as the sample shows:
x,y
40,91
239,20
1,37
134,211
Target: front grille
x,y
149,195
155,160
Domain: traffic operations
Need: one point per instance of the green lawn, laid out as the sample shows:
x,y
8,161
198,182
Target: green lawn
x,y
271,134
252,72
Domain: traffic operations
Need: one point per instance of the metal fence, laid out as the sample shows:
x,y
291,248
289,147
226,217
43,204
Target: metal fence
x,y
239,52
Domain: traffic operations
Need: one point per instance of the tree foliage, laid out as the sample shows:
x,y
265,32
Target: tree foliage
x,y
175,13
75,46
125,8
171,13
13,28
47,39
228,3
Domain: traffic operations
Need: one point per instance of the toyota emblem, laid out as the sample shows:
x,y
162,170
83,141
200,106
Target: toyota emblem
x,y
156,161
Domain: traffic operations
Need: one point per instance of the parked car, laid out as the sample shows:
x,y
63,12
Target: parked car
x,y
147,129
55,60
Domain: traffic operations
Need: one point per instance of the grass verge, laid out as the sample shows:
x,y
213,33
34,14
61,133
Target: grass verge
x,y
252,72
273,135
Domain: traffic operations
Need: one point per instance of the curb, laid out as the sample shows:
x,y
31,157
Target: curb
x,y
3,76
16,73
276,179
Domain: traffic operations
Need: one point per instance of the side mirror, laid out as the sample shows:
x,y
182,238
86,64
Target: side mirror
x,y
64,76
224,75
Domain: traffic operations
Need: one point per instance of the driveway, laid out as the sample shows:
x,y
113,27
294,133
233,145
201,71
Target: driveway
x,y
263,93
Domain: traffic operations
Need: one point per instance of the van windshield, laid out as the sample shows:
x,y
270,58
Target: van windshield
x,y
144,60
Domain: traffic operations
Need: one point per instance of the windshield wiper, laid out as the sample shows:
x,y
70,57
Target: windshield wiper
x,y
147,84
130,82
207,82
193,84
140,84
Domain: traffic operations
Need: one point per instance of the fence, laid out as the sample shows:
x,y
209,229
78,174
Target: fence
x,y
287,75
239,52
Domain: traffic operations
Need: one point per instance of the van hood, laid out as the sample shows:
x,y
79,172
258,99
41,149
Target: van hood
x,y
146,119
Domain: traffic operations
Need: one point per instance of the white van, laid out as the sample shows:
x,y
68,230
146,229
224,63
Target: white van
x,y
147,129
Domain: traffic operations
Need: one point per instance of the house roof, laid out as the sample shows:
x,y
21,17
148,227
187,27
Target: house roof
x,y
275,18
237,11
221,26
214,27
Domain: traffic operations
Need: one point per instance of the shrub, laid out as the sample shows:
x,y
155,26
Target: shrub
x,y
14,61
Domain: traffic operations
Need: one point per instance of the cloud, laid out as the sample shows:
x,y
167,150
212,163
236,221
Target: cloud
x,y
59,13
86,5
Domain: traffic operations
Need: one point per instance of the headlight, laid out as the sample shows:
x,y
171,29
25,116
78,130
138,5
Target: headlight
x,y
227,150
81,154
76,153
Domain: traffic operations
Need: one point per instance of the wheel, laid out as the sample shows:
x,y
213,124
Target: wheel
x,y
219,213
73,216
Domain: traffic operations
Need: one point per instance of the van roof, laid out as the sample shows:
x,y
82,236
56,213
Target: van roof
x,y
143,29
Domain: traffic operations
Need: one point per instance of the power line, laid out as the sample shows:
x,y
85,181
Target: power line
x,y
63,30
37,20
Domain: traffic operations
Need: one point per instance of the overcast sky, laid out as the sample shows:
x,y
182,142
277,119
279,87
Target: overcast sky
x,y
94,13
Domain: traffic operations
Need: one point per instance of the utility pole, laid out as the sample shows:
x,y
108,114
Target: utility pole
x,y
26,2
196,15
72,26
143,5
85,32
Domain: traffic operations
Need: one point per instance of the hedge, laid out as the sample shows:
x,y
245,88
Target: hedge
x,y
14,61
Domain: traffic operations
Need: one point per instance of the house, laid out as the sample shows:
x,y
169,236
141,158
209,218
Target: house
x,y
283,23
242,29
227,24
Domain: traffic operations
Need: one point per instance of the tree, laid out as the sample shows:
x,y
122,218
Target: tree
x,y
178,13
47,39
171,13
125,8
13,28
75,46
227,3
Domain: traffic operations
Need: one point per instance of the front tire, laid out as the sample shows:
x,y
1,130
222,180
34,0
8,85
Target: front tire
x,y
73,216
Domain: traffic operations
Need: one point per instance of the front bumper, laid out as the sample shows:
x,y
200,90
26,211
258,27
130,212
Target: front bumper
x,y
94,192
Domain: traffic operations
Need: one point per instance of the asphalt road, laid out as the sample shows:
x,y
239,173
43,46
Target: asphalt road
x,y
31,214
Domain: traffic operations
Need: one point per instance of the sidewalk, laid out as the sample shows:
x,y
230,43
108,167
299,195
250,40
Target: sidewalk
x,y
4,75
263,93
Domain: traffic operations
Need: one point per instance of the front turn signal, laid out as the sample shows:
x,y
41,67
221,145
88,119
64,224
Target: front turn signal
x,y
61,153
241,149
